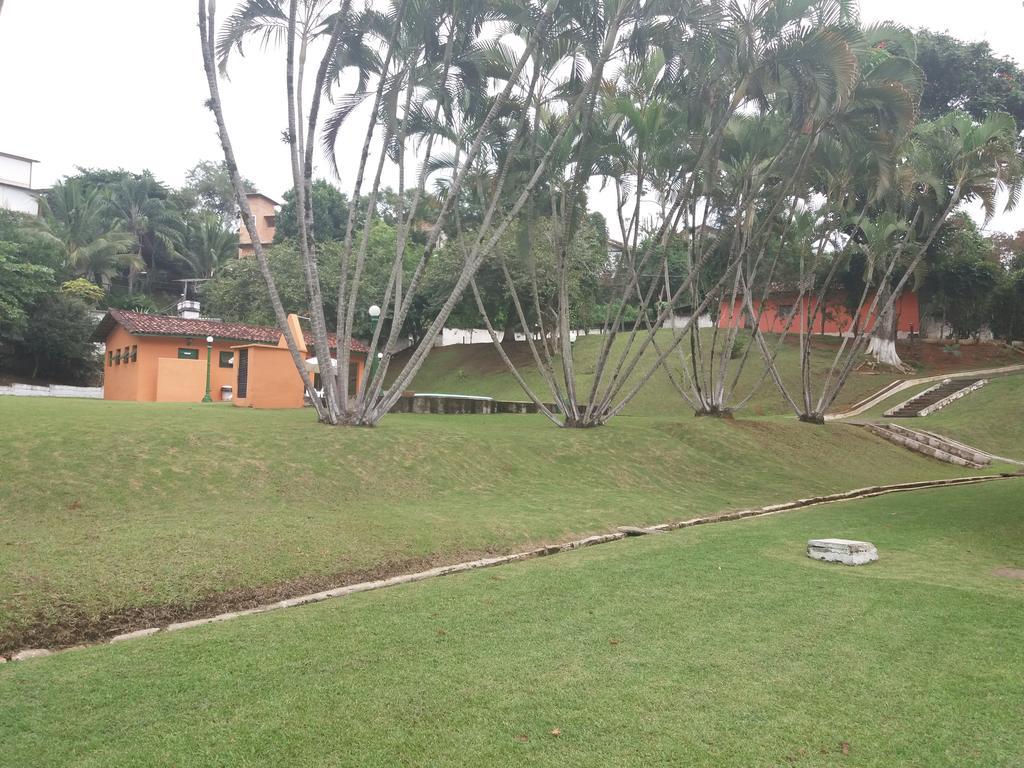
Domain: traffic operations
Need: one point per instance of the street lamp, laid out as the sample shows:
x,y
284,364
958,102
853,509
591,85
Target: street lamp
x,y
374,312
209,355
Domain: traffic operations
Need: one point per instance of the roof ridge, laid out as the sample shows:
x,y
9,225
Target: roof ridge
x,y
146,324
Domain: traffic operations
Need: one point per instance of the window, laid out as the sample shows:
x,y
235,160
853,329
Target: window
x,y
188,354
110,358
271,221
135,352
784,310
227,359
117,357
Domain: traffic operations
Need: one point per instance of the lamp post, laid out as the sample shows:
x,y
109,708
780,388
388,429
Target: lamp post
x,y
374,312
209,355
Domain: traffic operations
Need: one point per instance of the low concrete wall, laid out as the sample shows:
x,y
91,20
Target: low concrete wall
x,y
53,390
463,404
447,404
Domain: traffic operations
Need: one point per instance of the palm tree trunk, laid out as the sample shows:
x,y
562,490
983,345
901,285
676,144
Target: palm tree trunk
x,y
883,341
207,38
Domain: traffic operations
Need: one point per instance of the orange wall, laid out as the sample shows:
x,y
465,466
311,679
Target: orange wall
x,y
180,381
835,319
273,381
159,375
262,209
138,380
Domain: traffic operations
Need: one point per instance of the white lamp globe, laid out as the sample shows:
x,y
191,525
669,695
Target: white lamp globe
x,y
374,311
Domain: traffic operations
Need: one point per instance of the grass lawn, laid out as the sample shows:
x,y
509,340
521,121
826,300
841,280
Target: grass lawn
x,y
992,418
120,515
714,646
476,369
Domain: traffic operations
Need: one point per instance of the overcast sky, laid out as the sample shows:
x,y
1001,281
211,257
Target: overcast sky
x,y
119,83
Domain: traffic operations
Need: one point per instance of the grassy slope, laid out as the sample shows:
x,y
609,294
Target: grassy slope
x,y
108,507
990,419
719,646
476,369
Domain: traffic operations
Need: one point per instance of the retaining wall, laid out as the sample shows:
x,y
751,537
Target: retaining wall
x,y
53,390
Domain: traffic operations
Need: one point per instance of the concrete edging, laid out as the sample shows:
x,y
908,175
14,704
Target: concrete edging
x,y
952,398
890,390
552,549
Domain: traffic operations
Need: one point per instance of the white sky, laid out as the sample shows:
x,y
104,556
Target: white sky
x,y
119,83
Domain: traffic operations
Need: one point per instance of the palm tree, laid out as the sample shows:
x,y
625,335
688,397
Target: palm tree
x,y
951,161
207,244
76,217
139,205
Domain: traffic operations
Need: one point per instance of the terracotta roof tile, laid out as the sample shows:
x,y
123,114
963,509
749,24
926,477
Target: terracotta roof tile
x,y
142,324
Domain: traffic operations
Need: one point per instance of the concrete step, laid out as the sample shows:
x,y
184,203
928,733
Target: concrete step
x,y
935,398
919,446
936,441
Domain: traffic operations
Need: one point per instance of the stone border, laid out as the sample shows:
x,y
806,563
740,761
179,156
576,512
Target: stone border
x,y
888,391
925,445
552,549
922,393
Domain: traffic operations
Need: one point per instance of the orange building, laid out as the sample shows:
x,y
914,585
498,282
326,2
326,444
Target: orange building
x,y
264,214
163,358
836,319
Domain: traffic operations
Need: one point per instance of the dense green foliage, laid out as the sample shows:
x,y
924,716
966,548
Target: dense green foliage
x,y
968,76
330,214
105,238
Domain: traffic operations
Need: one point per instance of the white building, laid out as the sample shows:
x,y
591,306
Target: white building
x,y
16,193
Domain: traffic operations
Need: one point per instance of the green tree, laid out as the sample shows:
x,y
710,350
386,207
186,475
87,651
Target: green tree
x,y
21,284
963,271
330,214
1007,307
27,273
57,342
1010,249
76,219
238,291
207,244
969,77
81,289
208,189
140,206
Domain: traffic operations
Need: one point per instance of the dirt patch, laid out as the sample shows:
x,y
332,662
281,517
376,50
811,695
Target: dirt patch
x,y
62,626
1008,572
965,357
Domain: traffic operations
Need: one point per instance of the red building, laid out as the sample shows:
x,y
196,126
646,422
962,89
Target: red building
x,y
835,319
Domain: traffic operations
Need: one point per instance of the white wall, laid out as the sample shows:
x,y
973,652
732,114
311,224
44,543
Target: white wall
x,y
683,321
17,199
53,390
18,172
451,336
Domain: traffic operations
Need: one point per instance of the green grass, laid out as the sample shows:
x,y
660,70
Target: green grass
x,y
989,418
716,646
476,369
113,514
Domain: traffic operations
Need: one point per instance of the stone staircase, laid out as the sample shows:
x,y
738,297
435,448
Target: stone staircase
x,y
928,444
934,398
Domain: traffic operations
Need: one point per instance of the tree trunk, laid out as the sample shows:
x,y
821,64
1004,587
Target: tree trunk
x,y
508,337
883,341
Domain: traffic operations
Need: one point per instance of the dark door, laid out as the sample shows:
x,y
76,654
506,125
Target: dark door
x,y
243,373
